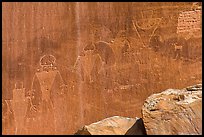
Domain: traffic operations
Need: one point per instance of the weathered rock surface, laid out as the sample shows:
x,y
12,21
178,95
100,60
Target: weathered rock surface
x,y
174,111
137,129
115,125
142,37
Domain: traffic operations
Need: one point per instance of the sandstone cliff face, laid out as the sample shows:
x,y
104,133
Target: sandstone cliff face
x,y
115,125
140,36
174,112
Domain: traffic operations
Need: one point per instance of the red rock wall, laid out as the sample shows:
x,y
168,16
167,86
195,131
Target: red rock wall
x,y
146,63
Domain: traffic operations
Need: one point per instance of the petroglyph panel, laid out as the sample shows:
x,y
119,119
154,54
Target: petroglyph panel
x,y
189,21
66,65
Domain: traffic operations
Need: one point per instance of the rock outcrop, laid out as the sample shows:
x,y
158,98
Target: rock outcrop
x,y
137,129
174,112
115,125
139,48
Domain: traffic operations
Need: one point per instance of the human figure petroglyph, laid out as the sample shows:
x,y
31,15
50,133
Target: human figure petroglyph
x,y
147,25
96,58
47,95
8,125
86,61
19,105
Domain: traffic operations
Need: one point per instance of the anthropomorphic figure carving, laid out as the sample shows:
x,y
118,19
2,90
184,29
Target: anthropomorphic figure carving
x,y
86,62
48,97
8,126
19,105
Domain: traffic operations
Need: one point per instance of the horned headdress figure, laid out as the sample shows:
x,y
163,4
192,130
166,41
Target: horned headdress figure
x,y
47,91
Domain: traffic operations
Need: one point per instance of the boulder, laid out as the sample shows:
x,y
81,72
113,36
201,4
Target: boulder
x,y
115,125
137,129
174,112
